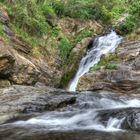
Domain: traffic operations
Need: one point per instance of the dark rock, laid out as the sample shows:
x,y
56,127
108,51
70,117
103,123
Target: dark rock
x,y
17,100
133,121
9,132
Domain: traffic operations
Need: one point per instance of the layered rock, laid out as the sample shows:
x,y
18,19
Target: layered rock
x,y
124,79
7,60
17,101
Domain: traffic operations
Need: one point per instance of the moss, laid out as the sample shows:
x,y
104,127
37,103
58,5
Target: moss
x,y
105,63
71,67
66,79
111,67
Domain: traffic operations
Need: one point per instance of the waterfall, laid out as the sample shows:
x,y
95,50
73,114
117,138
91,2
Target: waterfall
x,y
101,46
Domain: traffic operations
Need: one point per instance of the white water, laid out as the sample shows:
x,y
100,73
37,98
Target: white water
x,y
101,46
89,110
86,114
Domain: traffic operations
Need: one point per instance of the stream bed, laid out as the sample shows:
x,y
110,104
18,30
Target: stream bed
x,y
94,116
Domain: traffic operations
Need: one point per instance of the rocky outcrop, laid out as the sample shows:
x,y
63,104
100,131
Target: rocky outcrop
x,y
15,67
70,27
16,101
133,121
124,79
6,61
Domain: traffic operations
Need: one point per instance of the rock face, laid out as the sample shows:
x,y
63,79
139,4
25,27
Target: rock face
x,y
15,67
19,100
125,79
14,133
6,61
133,121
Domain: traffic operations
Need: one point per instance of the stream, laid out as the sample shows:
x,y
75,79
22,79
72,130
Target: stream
x,y
101,46
98,115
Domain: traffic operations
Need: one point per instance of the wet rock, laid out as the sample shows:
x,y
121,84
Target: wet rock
x,y
133,121
17,100
9,132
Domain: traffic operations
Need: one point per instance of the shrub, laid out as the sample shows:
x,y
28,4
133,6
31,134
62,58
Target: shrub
x,y
65,47
129,25
111,67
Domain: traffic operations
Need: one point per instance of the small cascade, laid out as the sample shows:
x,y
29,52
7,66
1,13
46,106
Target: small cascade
x,y
90,112
101,46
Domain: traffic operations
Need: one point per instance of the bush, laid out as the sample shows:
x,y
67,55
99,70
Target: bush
x,y
29,16
65,46
129,25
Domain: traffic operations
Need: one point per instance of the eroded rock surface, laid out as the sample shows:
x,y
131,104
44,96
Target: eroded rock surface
x,y
19,100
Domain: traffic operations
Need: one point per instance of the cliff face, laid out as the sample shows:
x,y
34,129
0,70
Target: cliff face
x,y
21,63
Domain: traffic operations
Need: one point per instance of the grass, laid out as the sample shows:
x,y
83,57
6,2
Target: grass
x,y
105,63
65,46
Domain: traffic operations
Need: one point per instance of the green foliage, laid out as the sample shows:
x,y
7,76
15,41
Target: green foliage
x,y
104,10
1,30
83,34
111,67
129,25
132,21
65,46
29,17
66,79
94,68
105,63
55,31
32,41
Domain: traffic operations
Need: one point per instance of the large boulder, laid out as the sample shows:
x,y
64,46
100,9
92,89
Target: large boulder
x,y
25,72
22,100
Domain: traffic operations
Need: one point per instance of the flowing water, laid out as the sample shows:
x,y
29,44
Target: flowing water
x,y
90,112
101,46
95,115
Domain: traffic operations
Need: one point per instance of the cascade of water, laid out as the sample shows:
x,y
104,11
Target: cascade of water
x,y
101,46
90,112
